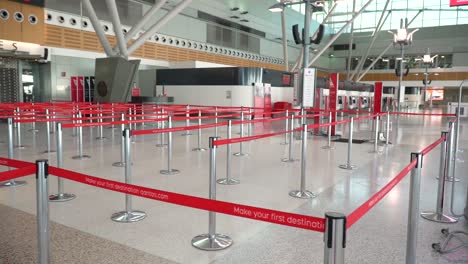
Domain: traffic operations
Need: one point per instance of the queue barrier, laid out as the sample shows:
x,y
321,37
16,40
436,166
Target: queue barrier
x,y
332,219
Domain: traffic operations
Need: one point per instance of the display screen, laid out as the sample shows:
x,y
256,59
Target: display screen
x,y
436,94
31,2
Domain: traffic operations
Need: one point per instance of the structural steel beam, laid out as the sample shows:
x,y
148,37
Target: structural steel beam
x,y
150,32
144,20
371,44
333,39
385,50
98,28
121,43
350,48
285,41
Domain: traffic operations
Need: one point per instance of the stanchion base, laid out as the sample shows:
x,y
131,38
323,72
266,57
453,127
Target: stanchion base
x,y
227,181
302,194
169,172
186,134
439,218
218,242
128,217
61,197
82,157
460,161
328,147
20,147
346,167
161,145
284,143
12,183
198,149
289,160
240,154
451,179
101,138
118,164
111,127
375,151
47,151
34,131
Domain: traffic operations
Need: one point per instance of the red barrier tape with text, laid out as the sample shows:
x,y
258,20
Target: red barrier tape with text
x,y
375,199
13,174
14,163
272,216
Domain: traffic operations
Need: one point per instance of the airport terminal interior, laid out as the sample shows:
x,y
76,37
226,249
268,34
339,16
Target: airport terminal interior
x,y
233,131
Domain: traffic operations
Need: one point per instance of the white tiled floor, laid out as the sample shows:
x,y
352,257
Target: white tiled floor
x,y
379,237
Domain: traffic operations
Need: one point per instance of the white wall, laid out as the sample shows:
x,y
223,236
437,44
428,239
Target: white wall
x,y
211,95
217,95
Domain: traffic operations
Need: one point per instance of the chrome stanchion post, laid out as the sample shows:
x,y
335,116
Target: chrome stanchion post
x,y
18,132
438,215
376,136
216,121
121,163
199,148
303,193
61,196
129,215
286,122
450,154
334,238
113,119
387,132
329,132
291,142
42,192
74,122
348,165
161,135
228,180
413,210
11,183
101,134
54,123
33,124
249,127
80,141
212,241
48,133
241,145
169,170
187,121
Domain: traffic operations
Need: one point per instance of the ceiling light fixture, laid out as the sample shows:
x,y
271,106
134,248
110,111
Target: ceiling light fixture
x,y
278,7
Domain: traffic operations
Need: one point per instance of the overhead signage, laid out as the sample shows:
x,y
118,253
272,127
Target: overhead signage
x,y
458,2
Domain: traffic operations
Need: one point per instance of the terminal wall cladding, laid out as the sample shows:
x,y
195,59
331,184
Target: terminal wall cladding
x,y
234,86
228,86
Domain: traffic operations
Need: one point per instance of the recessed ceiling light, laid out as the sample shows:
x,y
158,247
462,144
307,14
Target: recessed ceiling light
x,y
234,17
244,12
234,9
244,20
